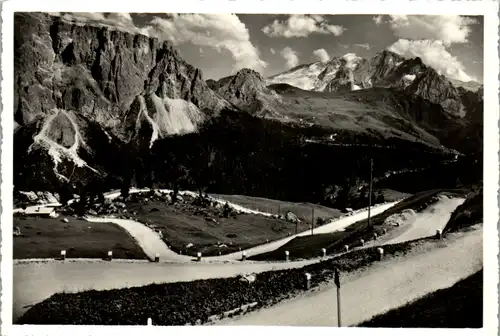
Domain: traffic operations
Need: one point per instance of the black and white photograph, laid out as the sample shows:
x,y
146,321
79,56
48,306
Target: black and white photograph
x,y
249,169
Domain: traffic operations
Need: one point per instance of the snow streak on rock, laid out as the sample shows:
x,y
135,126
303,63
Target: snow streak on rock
x,y
56,151
303,78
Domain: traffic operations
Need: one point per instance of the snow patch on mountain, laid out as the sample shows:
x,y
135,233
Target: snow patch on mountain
x,y
304,78
408,79
55,150
351,61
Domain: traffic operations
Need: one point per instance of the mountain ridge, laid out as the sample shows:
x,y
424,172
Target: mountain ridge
x,y
93,103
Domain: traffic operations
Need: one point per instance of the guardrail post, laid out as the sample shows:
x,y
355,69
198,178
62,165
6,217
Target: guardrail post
x,y
287,256
380,253
157,257
308,280
63,255
198,255
439,234
110,255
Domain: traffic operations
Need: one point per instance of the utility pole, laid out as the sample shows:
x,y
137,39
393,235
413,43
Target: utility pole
x,y
337,283
370,191
312,222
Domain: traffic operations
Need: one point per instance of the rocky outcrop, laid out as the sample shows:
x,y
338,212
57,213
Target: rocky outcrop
x,y
437,89
342,81
248,91
74,84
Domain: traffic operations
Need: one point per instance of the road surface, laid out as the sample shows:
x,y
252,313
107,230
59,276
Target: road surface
x,y
425,223
151,243
383,286
35,281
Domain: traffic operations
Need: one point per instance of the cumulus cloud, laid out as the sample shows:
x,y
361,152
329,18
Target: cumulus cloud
x,y
377,19
447,28
321,54
434,54
302,26
272,51
220,31
121,19
82,16
363,45
290,56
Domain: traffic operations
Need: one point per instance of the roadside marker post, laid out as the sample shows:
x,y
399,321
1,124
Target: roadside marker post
x,y
324,252
380,253
110,255
375,236
346,248
439,234
287,256
308,281
243,256
150,321
63,255
362,242
157,257
198,256
337,283
384,230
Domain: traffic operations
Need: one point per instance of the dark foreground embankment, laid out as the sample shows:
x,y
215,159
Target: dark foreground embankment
x,y
460,306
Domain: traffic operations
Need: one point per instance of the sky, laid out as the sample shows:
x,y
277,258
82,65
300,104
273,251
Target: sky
x,y
222,44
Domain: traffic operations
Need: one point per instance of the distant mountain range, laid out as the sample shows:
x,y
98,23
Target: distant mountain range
x,y
85,93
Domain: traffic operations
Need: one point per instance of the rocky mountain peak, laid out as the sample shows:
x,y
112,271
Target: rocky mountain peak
x,y
245,89
437,89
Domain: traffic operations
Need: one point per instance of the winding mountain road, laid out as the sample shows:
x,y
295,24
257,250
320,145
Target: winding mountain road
x,y
35,281
385,285
151,243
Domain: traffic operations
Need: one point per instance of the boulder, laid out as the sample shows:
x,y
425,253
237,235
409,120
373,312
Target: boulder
x,y
248,278
120,205
291,217
30,195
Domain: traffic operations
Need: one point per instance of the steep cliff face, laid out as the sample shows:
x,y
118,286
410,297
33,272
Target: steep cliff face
x,y
77,82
